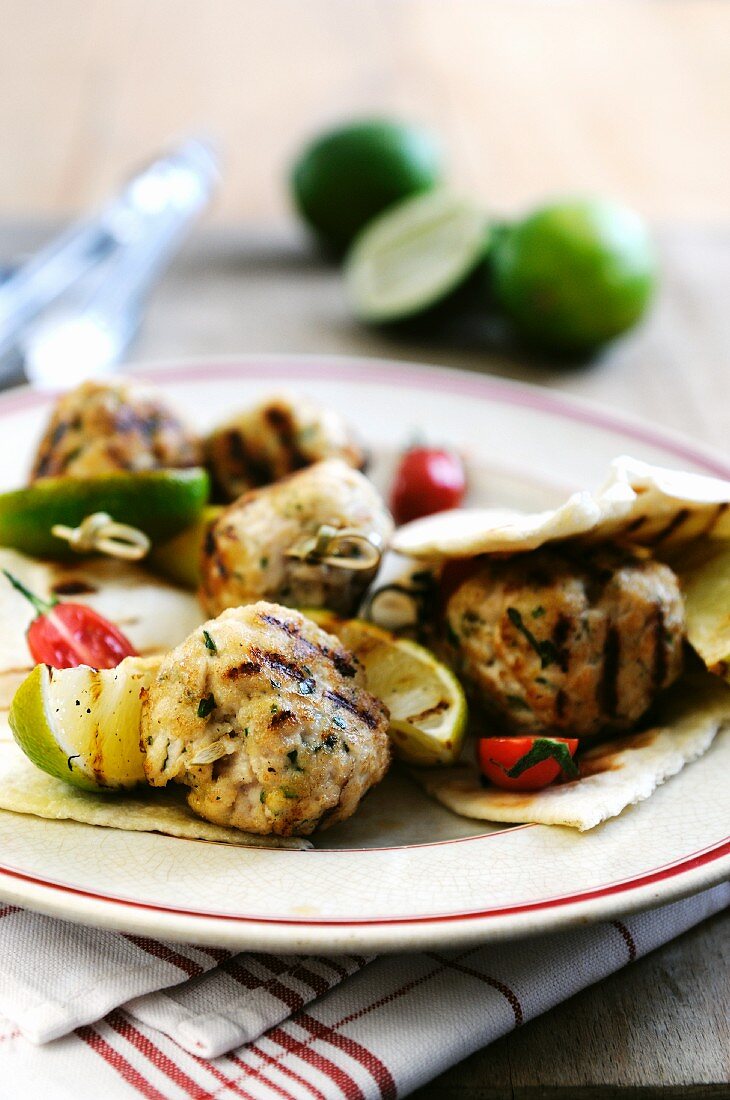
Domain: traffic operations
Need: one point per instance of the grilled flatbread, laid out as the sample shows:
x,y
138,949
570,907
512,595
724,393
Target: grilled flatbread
x,y
638,503
24,789
614,775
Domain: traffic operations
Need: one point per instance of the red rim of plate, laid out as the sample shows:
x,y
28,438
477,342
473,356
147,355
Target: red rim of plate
x,y
413,376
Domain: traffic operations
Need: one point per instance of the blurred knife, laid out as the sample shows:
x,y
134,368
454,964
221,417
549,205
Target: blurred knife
x,y
111,260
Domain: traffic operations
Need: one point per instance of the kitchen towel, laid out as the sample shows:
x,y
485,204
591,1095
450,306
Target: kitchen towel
x,y
276,1027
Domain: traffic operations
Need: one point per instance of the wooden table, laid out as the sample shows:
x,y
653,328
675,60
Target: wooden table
x,y
658,1028
531,98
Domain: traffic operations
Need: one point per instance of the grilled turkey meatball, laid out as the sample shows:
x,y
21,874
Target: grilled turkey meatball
x,y
108,427
283,434
266,718
244,556
556,640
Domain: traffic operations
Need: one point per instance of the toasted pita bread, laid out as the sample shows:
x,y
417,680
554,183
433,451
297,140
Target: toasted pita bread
x,y
638,503
154,615
24,789
614,775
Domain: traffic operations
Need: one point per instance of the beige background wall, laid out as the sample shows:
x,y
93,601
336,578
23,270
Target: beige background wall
x,y
629,97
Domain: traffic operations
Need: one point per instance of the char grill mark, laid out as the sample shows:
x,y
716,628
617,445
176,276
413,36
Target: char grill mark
x,y
659,668
276,663
674,524
291,629
348,704
635,524
716,517
608,687
252,467
340,660
246,668
343,665
280,421
561,633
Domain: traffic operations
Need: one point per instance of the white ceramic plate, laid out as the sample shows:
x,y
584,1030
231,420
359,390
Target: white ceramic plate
x,y
403,873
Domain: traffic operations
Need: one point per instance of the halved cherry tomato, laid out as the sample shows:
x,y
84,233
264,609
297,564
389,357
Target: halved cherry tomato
x,y
427,480
507,761
65,635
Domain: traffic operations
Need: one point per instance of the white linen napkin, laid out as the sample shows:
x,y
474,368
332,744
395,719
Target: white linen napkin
x,y
254,1012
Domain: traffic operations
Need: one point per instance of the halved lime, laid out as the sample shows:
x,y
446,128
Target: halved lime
x,y
704,571
178,559
414,255
82,724
161,503
428,710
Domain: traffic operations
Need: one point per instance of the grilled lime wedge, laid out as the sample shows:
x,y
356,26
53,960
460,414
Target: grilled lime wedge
x,y
161,503
82,724
428,710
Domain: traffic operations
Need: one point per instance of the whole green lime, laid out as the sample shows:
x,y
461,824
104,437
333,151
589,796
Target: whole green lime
x,y
575,274
348,175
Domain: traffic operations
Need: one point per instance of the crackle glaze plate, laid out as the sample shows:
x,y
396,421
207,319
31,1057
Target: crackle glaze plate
x,y
404,873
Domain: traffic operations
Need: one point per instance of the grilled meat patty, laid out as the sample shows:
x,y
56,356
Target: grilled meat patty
x,y
555,640
107,427
267,719
283,434
244,556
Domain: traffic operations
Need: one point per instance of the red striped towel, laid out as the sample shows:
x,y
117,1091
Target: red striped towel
x,y
275,1028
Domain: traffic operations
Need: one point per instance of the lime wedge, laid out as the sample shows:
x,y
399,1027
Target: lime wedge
x,y
161,503
178,559
82,725
704,572
428,710
414,255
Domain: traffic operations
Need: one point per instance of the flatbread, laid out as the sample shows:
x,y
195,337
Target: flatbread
x,y
614,775
154,615
24,789
638,503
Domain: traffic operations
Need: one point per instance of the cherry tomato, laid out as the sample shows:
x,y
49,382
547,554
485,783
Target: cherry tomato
x,y
65,635
500,756
427,480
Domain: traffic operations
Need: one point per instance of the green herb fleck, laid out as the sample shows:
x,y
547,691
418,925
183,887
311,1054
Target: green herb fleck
x,y
263,562
293,759
206,706
274,708
538,612
288,792
149,740
546,748
209,643
545,650
262,796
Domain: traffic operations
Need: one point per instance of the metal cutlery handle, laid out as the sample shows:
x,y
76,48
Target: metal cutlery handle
x,y
180,182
